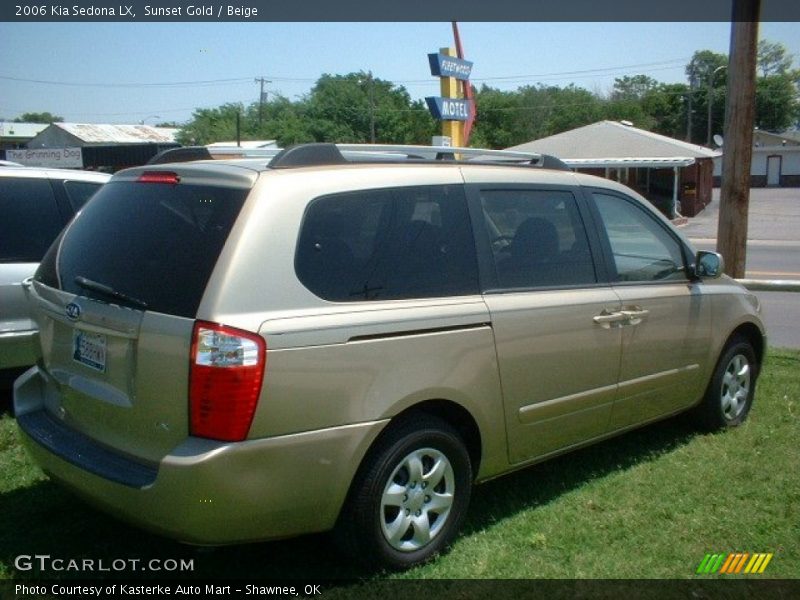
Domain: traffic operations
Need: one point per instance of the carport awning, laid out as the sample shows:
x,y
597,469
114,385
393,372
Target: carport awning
x,y
642,163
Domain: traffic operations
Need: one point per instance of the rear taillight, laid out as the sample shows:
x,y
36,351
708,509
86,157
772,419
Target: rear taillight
x,y
227,368
159,177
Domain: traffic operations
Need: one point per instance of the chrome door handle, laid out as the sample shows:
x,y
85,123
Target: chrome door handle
x,y
635,315
606,318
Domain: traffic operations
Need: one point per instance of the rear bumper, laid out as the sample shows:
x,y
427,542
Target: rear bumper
x,y
203,492
18,348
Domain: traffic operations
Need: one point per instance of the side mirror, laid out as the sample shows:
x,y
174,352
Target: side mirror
x,y
708,265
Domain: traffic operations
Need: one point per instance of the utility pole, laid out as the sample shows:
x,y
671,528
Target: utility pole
x,y
738,150
371,92
261,98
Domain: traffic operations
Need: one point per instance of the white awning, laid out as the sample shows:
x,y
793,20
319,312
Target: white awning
x,y
643,163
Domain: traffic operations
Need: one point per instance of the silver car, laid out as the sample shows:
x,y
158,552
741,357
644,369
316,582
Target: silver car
x,y
234,352
35,205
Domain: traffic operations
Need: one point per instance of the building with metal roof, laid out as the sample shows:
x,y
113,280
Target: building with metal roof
x,y
108,147
673,174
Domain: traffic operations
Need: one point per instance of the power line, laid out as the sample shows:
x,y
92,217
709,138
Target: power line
x,y
211,82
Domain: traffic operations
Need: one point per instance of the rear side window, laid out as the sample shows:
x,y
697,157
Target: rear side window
x,y
79,192
386,244
29,219
156,243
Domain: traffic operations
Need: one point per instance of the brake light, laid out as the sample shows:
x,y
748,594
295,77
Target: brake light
x,y
159,177
226,372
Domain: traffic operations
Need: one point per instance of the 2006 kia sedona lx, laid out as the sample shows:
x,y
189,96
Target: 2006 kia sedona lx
x,y
234,351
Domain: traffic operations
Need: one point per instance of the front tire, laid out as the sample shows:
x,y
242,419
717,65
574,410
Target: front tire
x,y
730,393
410,497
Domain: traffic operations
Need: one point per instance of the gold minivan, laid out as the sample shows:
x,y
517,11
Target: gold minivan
x,y
341,339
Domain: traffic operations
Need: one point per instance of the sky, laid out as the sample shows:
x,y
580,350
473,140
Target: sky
x,y
162,72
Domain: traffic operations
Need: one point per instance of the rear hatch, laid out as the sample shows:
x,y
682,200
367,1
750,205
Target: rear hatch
x,y
116,297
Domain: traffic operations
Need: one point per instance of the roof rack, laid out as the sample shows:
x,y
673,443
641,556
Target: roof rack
x,y
190,153
331,154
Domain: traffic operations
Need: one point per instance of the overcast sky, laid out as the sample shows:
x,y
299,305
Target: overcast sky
x,y
128,72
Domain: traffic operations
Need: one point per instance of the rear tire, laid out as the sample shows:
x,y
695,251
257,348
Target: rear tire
x,y
410,497
730,393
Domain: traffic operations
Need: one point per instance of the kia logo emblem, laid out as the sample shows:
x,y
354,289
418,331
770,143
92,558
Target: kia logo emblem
x,y
73,311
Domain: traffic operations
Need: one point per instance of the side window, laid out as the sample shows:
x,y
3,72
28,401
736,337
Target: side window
x,y
79,192
642,249
388,244
537,238
30,219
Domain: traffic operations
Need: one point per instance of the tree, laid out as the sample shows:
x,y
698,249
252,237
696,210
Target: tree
x,y
635,87
211,125
702,67
347,108
777,105
41,117
773,58
777,102
510,118
571,107
702,72
498,113
666,106
283,121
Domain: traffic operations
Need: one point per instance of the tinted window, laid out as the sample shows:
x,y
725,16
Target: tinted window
x,y
642,248
537,238
29,219
157,243
79,192
388,244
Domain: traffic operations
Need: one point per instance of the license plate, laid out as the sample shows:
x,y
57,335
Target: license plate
x,y
89,349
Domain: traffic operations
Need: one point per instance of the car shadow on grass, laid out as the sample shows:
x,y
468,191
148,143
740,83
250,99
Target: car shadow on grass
x,y
545,482
45,519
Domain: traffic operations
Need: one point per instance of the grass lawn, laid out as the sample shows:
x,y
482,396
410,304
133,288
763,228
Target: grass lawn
x,y
649,504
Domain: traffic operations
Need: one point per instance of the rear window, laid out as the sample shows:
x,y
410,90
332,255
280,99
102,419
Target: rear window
x,y
29,219
155,243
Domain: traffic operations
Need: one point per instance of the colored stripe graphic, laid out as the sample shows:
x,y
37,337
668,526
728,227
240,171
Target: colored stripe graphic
x,y
734,563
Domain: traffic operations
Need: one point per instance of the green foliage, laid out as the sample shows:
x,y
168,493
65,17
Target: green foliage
x,y
777,103
339,108
510,118
773,58
634,88
348,108
38,117
702,67
211,125
666,105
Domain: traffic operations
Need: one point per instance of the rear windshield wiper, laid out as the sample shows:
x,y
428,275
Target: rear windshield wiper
x,y
88,284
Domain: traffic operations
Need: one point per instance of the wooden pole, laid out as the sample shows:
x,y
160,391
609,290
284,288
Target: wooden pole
x,y
738,147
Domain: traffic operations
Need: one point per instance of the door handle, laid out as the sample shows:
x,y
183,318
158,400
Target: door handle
x,y
635,314
606,318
